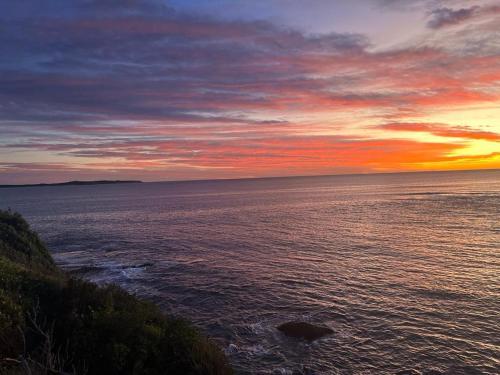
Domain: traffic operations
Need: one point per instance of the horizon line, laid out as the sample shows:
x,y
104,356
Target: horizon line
x,y
258,178
330,175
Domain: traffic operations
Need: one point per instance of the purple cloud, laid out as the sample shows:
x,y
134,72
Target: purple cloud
x,y
443,17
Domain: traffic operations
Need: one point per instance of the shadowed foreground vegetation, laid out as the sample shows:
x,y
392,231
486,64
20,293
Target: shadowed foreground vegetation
x,y
51,323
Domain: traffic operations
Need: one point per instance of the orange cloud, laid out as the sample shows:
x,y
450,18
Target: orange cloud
x,y
443,130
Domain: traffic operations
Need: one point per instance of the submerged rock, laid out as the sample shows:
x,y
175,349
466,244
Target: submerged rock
x,y
140,265
85,270
232,349
303,330
304,371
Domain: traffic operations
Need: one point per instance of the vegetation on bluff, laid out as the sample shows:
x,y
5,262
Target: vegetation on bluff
x,y
51,323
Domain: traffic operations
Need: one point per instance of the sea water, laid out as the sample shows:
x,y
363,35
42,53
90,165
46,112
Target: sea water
x,y
405,268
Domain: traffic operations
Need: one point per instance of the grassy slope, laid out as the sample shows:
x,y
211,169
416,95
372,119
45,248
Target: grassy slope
x,y
53,324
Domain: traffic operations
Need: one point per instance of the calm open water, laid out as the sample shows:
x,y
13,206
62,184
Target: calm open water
x,y
405,268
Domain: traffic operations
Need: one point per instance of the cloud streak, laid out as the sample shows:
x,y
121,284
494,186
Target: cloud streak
x,y
443,130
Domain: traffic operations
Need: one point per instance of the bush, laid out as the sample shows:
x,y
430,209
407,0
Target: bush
x,y
52,323
19,244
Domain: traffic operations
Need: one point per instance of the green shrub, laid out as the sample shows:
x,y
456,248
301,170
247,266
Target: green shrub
x,y
20,244
51,323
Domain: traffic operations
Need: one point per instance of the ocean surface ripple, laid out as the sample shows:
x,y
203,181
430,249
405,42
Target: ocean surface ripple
x,y
405,268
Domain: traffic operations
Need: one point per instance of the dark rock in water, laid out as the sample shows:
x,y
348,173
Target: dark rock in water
x,y
303,330
409,372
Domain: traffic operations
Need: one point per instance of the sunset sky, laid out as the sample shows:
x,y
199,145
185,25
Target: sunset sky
x,y
169,90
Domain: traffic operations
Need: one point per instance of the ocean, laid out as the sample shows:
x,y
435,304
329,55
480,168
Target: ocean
x,y
404,268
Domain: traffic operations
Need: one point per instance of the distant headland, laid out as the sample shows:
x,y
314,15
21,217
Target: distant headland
x,y
70,183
